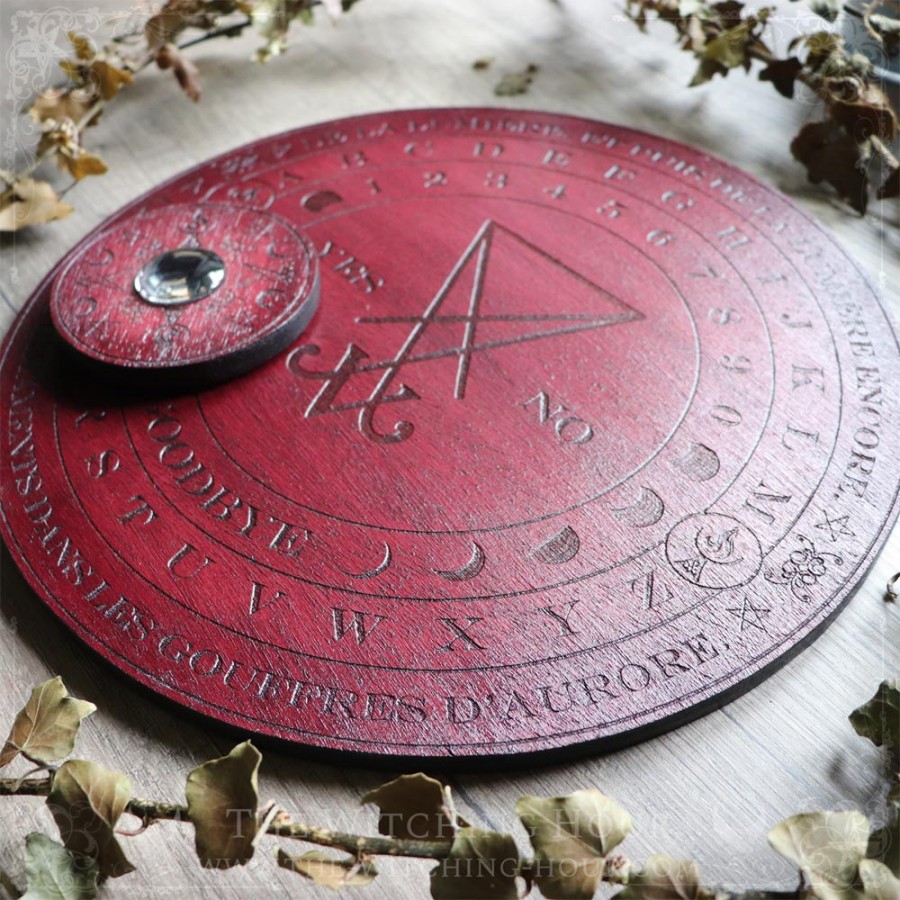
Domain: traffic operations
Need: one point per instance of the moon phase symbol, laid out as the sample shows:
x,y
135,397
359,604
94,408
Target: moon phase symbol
x,y
700,463
469,570
648,510
558,549
317,201
371,573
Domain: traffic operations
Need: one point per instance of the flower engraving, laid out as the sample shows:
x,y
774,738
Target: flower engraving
x,y
803,568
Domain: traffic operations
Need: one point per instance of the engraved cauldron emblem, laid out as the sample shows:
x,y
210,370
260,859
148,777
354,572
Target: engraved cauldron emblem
x,y
713,551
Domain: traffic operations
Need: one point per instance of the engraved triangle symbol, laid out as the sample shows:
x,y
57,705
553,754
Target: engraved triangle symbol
x,y
495,258
693,568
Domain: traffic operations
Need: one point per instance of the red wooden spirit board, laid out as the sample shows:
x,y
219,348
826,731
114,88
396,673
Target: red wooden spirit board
x,y
590,432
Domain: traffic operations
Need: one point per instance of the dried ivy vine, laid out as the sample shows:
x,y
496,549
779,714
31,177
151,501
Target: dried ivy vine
x,y
95,77
843,149
575,839
852,140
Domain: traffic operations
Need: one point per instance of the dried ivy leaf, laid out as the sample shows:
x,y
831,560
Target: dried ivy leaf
x,y
879,882
828,847
706,70
188,75
879,719
413,806
272,19
571,837
83,164
324,869
664,878
164,27
783,75
717,34
30,202
82,46
108,78
64,138
54,873
516,82
481,864
884,844
831,155
731,48
46,727
222,799
86,801
865,112
60,103
75,69
96,72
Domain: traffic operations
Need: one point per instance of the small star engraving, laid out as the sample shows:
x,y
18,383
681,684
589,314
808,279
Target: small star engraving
x,y
837,527
750,615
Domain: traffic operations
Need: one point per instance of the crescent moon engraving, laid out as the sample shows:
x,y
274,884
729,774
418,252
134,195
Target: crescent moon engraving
x,y
371,573
558,549
647,510
469,570
317,201
700,463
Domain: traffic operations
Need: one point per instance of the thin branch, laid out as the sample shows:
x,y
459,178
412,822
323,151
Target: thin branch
x,y
150,810
325,837
30,787
232,30
884,151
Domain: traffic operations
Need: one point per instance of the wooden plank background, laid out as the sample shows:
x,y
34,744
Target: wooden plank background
x,y
709,791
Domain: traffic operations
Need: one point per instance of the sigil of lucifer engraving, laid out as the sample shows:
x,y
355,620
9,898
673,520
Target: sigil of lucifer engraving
x,y
489,239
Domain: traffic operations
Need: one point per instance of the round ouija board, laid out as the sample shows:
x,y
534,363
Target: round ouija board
x,y
589,433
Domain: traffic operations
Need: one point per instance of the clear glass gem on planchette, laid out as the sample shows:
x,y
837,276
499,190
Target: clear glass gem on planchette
x,y
180,276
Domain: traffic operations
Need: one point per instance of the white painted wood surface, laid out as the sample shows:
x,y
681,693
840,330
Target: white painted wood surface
x,y
710,790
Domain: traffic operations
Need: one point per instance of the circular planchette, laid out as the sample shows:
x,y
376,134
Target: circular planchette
x,y
591,432
190,292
